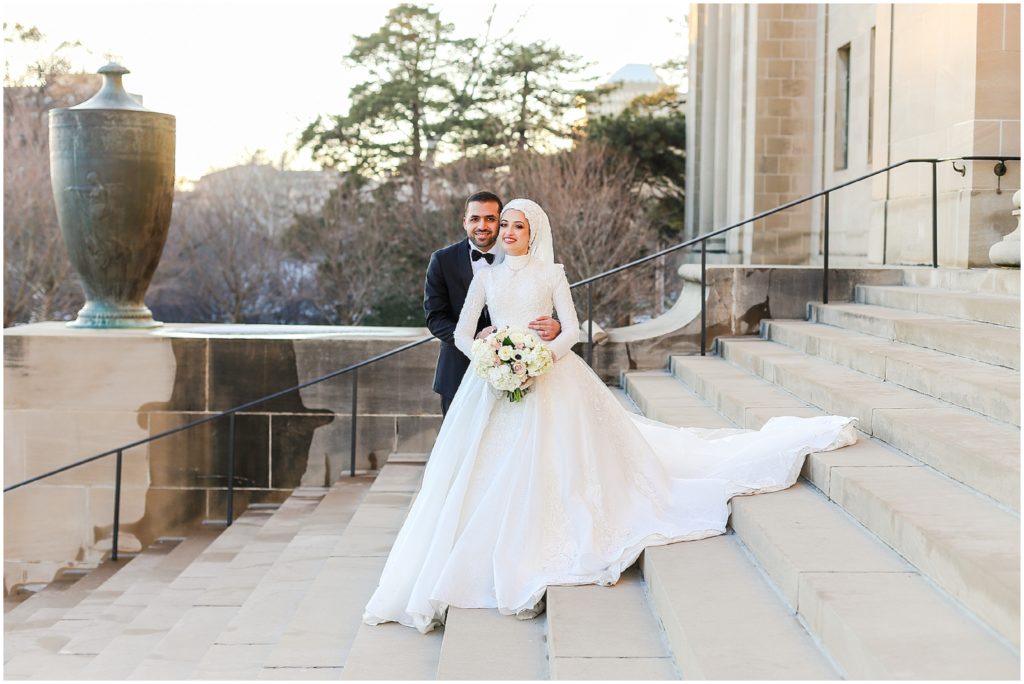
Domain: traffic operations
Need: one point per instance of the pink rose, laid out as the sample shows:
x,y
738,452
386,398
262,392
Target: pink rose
x,y
520,346
519,368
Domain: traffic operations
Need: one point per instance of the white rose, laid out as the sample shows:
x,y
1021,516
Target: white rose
x,y
505,353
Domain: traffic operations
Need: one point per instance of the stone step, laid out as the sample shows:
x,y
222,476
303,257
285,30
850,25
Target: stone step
x,y
596,632
875,616
38,646
657,395
980,452
991,390
180,651
324,626
102,627
239,651
624,399
481,643
993,280
296,673
966,305
723,619
22,600
17,597
391,651
965,543
53,593
995,344
48,608
983,456
144,632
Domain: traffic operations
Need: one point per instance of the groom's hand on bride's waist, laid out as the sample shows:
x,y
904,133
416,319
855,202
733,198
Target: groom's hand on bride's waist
x,y
546,327
485,332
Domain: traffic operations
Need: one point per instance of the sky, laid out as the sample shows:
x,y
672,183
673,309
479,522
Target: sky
x,y
242,76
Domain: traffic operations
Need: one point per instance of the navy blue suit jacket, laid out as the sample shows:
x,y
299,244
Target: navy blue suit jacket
x,y
448,277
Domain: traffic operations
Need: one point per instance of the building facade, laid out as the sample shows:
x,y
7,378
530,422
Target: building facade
x,y
789,99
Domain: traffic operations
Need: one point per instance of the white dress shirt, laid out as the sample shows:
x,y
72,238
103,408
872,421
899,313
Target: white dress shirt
x,y
482,263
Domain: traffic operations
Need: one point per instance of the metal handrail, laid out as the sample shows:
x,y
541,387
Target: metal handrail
x,y
588,282
999,170
232,410
230,413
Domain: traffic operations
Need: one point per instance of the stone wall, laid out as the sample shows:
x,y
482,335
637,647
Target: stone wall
x,y
850,27
925,80
956,96
752,111
70,394
782,144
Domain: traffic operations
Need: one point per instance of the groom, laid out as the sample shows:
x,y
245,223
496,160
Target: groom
x,y
449,274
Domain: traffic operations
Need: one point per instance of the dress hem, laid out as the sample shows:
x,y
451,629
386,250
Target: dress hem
x,y
607,577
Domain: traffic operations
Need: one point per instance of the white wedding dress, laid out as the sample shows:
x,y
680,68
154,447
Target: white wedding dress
x,y
565,486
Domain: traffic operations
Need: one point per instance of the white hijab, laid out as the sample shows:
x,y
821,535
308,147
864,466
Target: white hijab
x,y
541,246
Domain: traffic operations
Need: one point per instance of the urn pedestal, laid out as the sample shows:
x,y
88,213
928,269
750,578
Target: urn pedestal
x,y
112,170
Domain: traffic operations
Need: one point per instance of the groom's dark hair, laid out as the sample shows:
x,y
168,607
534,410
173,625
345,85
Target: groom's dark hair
x,y
483,196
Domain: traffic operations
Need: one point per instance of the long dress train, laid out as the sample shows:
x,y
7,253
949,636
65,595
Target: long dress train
x,y
566,486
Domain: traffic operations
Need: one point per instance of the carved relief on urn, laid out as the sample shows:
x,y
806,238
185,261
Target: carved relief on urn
x,y
112,170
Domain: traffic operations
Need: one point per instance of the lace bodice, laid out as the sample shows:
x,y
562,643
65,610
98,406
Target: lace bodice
x,y
517,291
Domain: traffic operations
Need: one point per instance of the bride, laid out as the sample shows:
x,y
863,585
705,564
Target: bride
x,y
565,486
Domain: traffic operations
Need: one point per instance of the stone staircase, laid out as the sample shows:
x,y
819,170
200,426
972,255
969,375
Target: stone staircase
x,y
898,557
280,594
213,605
895,558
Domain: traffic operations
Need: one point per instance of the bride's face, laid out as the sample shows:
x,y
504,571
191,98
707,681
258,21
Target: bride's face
x,y
515,232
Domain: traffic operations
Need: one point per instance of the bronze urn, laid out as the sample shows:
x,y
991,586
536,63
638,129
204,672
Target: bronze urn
x,y
112,170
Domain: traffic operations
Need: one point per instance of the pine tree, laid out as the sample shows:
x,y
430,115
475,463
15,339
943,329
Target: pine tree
x,y
411,103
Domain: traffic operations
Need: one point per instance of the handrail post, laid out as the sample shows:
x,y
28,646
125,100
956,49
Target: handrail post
x,y
355,423
590,324
824,280
703,304
231,470
935,214
117,506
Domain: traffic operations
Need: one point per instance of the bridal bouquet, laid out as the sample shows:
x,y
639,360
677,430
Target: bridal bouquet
x,y
509,359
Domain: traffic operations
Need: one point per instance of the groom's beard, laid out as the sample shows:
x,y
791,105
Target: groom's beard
x,y
483,246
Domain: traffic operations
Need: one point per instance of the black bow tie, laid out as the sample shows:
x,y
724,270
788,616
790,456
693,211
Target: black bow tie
x,y
480,255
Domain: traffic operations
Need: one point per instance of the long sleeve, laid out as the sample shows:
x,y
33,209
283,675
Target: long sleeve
x,y
436,304
465,330
566,311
